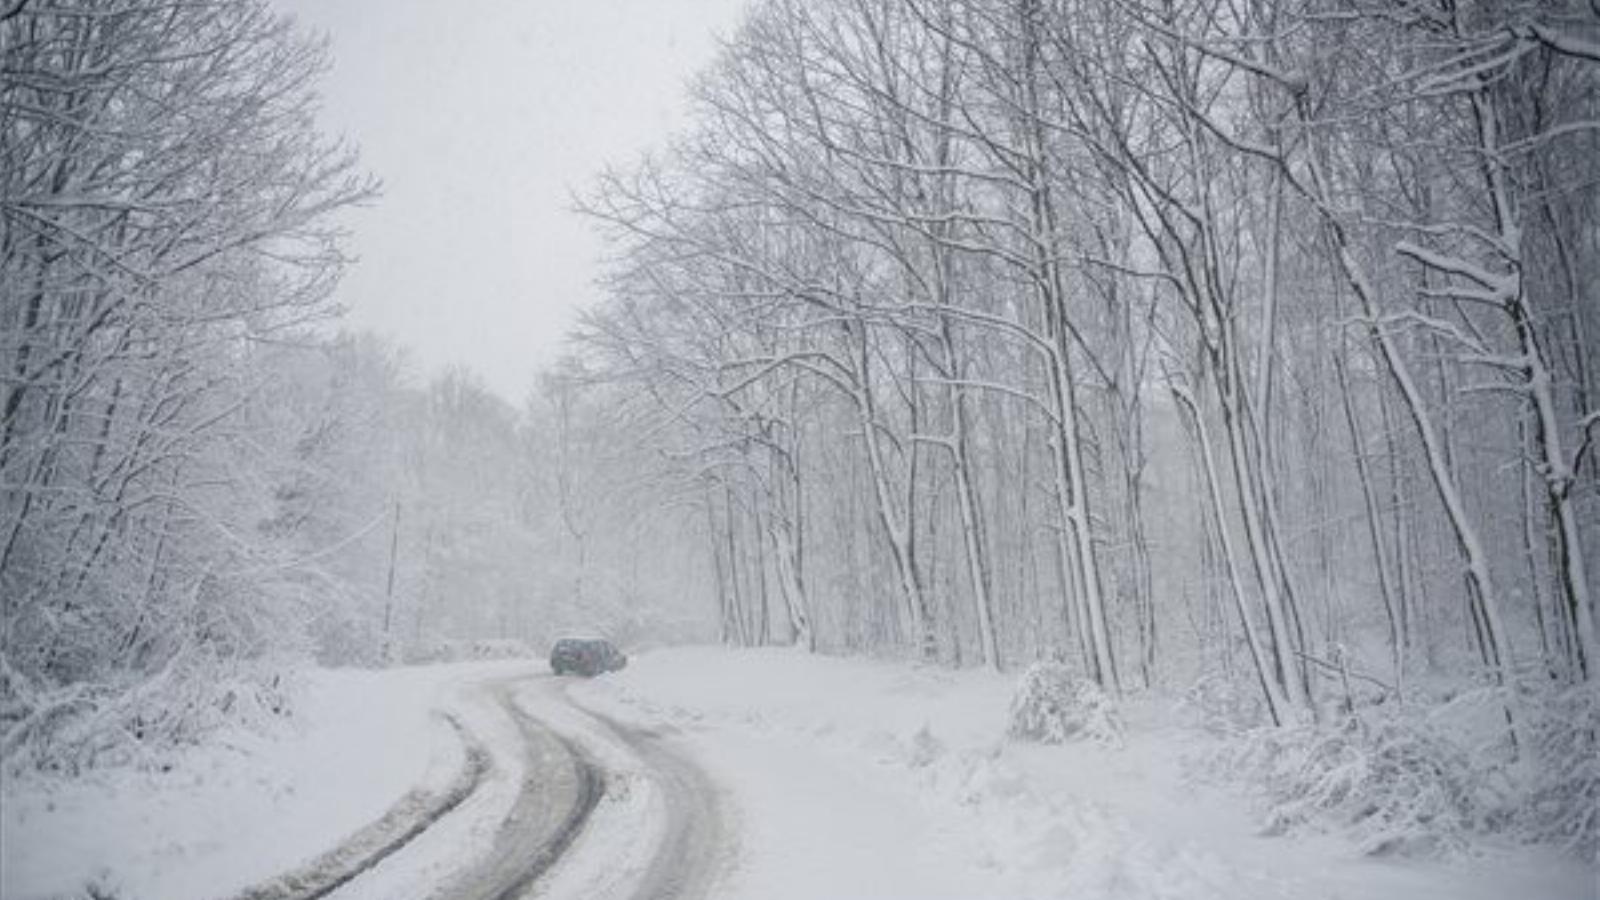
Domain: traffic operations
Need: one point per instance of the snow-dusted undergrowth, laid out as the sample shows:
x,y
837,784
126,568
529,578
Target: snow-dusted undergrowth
x,y
244,805
1562,806
1053,706
1431,780
455,651
971,755
1397,787
138,721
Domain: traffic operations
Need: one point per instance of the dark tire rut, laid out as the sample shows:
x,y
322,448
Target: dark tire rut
x,y
561,785
412,815
694,847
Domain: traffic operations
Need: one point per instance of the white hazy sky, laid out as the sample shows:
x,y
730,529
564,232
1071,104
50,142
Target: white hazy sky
x,y
481,117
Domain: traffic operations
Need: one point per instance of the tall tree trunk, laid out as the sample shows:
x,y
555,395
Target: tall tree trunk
x,y
1277,705
1369,501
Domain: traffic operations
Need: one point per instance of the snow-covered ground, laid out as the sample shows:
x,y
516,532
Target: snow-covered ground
x,y
249,805
857,779
842,779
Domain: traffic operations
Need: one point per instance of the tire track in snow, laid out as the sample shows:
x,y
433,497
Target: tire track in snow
x,y
561,786
660,832
687,863
571,758
413,814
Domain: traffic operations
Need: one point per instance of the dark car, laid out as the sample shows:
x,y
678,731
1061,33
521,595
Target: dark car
x,y
585,656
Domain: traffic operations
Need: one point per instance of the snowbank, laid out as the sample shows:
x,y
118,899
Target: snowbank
x,y
859,779
246,807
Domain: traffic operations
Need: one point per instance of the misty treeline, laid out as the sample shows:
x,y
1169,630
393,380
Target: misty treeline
x,y
1163,338
198,489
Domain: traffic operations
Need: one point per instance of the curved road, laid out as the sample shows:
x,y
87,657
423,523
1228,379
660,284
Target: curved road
x,y
688,861
571,761
563,784
560,788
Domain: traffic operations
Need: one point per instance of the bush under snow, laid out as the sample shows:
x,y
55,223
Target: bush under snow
x,y
1425,781
481,650
1397,787
1053,706
1563,803
1223,705
132,721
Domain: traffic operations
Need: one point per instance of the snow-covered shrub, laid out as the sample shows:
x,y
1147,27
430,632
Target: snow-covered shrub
x,y
138,721
1223,706
1052,706
1395,786
99,889
447,650
1429,779
925,749
1563,790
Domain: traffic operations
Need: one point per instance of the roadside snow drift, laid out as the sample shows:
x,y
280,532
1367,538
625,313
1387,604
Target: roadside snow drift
x,y
855,779
249,806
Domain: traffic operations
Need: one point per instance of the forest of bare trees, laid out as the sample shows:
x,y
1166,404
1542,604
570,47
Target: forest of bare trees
x,y
198,487
1162,338
1096,328
164,200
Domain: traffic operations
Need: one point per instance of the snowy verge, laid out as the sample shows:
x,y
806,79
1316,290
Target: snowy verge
x,y
248,806
416,811
860,779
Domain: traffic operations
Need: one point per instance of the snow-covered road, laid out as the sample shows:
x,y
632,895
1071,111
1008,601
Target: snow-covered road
x,y
558,792
476,781
578,805
704,774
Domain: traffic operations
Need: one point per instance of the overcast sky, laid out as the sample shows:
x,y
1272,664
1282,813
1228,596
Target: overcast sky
x,y
481,117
